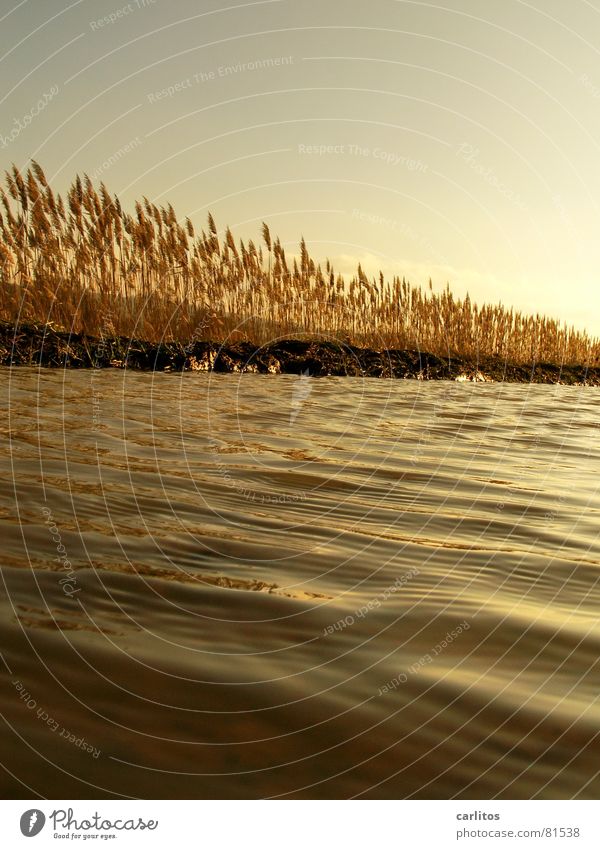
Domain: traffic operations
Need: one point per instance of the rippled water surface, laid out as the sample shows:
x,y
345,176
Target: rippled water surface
x,y
275,586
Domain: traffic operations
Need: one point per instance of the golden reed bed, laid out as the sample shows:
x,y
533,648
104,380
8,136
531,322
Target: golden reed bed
x,y
85,264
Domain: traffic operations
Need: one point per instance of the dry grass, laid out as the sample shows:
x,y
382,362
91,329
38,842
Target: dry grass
x,y
86,265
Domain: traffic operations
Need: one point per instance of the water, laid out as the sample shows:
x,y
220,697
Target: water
x,y
247,586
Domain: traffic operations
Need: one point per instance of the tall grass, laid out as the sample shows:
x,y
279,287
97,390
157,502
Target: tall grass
x,y
87,265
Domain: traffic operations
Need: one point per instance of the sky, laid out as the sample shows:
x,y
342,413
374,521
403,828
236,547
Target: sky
x,y
457,141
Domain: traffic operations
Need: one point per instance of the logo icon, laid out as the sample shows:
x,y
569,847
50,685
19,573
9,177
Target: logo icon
x,y
32,822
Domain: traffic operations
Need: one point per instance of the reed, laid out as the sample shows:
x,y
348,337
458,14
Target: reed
x,y
86,265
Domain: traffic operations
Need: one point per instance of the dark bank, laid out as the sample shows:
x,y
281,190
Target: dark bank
x,y
44,345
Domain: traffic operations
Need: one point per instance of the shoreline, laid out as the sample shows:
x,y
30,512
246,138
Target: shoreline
x,y
43,345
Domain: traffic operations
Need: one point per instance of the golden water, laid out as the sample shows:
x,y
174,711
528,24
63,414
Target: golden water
x,y
222,586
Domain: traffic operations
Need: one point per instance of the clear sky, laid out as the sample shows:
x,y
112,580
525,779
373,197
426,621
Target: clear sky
x,y
457,140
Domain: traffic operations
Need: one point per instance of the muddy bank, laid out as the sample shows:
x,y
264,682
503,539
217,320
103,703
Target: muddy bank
x,y
42,345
